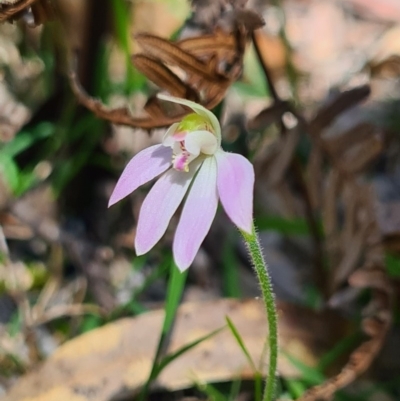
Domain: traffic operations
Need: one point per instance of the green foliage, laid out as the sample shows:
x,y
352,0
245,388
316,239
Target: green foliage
x,y
122,23
392,263
91,322
230,273
176,286
21,180
295,226
310,376
253,82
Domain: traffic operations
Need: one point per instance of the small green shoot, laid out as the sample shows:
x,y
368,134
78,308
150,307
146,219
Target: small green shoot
x,y
25,139
311,376
295,387
235,388
211,391
257,373
21,180
90,322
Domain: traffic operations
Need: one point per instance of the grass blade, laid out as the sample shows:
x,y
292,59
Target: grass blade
x,y
169,358
240,341
257,373
176,285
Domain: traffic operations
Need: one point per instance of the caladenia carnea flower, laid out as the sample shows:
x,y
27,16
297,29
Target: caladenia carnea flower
x,y
192,163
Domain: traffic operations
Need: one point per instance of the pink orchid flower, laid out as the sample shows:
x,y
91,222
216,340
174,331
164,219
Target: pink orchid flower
x,y
191,161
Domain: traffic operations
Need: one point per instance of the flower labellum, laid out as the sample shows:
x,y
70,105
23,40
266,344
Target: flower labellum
x,y
191,161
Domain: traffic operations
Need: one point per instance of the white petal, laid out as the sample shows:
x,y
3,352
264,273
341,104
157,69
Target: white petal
x,y
201,141
197,215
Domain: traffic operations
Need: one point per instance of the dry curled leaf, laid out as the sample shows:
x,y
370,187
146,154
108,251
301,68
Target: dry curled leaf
x,y
198,68
41,10
270,115
340,103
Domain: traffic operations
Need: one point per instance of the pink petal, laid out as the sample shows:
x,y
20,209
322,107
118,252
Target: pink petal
x,y
146,165
235,188
160,205
197,215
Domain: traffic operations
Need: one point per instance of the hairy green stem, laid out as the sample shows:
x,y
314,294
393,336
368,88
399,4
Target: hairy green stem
x,y
255,251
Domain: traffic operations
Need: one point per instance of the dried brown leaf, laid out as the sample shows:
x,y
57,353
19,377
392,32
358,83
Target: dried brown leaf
x,y
221,44
388,214
42,10
356,159
329,207
315,176
209,64
248,19
203,80
13,115
116,359
7,11
117,116
344,101
376,327
270,115
350,259
280,165
339,143
170,53
163,77
351,204
359,240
